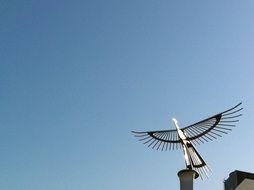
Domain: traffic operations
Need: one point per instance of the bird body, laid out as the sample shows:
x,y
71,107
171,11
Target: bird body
x,y
197,133
192,157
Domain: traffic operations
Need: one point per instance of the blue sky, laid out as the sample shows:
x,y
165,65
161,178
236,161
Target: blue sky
x,y
77,76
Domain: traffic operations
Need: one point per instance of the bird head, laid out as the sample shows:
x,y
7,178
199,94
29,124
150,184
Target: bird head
x,y
175,122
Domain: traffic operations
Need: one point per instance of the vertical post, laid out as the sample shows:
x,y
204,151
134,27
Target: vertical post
x,y
186,179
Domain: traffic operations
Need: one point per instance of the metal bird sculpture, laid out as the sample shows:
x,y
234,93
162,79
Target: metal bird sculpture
x,y
197,133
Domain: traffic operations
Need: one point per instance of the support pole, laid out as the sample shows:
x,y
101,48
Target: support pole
x,y
186,177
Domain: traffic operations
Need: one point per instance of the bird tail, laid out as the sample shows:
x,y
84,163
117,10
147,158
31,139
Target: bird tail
x,y
197,161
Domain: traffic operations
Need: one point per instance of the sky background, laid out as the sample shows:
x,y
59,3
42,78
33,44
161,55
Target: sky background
x,y
77,76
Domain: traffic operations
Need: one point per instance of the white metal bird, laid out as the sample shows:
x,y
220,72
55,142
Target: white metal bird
x,y
185,138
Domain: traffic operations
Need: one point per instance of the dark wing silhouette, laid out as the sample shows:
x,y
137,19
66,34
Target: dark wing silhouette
x,y
213,127
166,140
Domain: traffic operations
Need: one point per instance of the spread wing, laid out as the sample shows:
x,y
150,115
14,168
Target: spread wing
x,y
166,140
213,127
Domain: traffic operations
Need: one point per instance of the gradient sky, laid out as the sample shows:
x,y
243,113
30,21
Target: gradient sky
x,y
77,76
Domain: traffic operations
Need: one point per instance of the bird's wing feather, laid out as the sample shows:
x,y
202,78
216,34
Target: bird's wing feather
x,y
213,127
164,140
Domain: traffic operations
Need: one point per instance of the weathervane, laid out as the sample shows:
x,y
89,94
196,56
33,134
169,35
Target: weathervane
x,y
197,133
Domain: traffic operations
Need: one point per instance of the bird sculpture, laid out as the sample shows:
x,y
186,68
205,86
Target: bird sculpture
x,y
186,138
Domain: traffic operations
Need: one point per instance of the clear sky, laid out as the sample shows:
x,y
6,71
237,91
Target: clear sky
x,y
77,76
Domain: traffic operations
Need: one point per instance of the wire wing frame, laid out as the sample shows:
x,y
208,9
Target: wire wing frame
x,y
213,127
200,132
163,140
